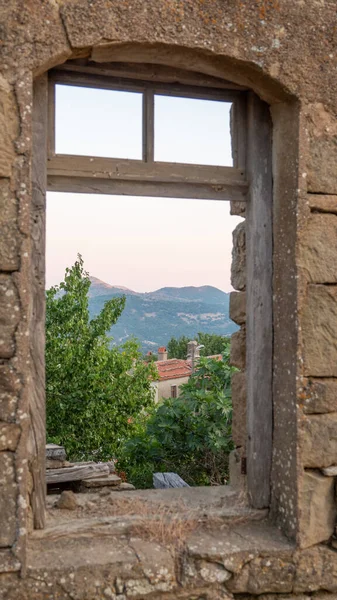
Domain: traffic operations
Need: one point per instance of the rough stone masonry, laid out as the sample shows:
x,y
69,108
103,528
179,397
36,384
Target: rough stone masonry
x,y
286,53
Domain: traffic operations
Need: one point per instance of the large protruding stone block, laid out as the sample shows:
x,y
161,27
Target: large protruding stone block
x,y
237,307
238,349
319,331
322,174
318,249
320,396
319,440
238,269
317,508
323,203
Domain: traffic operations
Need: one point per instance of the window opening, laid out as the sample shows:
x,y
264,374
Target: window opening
x,y
173,391
128,248
192,131
196,151
97,122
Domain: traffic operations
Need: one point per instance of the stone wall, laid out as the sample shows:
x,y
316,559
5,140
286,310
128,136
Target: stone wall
x,y
237,312
286,53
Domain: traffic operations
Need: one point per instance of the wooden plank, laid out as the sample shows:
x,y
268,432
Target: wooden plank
x,y
239,132
77,473
83,185
111,480
259,248
87,79
37,435
147,72
51,119
148,126
136,170
168,480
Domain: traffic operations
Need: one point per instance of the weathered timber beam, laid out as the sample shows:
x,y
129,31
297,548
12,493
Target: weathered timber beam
x,y
92,185
84,79
135,170
76,473
147,72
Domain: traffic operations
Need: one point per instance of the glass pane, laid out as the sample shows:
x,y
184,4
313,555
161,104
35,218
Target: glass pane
x,y
190,131
96,122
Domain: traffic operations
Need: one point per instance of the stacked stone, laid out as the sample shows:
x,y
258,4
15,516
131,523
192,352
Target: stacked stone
x,y
14,347
237,312
317,390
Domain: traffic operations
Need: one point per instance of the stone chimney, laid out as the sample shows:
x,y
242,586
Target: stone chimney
x,y
193,353
162,353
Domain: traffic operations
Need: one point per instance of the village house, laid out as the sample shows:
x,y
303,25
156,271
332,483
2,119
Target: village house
x,y
173,372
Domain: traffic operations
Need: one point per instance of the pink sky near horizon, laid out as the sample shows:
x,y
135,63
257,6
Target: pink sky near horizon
x,y
141,243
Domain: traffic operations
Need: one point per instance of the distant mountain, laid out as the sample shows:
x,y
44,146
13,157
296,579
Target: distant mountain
x,y
205,293
155,317
99,287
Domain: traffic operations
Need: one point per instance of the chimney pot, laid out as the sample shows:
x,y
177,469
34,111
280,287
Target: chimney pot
x,y
162,353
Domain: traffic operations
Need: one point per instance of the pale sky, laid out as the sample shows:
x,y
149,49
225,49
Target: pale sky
x,y
141,243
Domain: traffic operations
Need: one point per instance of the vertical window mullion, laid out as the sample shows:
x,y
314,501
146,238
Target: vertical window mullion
x,y
51,118
148,125
238,132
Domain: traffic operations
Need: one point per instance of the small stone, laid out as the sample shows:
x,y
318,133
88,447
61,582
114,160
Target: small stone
x,y
124,486
9,436
213,572
8,499
238,349
67,501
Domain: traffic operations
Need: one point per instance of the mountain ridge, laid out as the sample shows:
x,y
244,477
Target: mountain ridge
x,y
154,317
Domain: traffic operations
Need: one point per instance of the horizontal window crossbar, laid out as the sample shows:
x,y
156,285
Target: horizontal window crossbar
x,y
133,85
131,170
120,187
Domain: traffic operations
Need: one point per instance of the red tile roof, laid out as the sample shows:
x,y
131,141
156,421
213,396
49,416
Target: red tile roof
x,y
162,349
173,368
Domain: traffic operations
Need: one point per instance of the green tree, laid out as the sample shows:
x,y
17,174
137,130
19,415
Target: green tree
x,y
94,391
190,435
177,347
211,342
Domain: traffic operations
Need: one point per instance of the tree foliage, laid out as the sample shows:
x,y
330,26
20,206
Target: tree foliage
x,y
94,391
190,435
213,344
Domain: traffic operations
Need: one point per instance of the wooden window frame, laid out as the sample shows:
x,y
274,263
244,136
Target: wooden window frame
x,y
174,391
252,124
147,177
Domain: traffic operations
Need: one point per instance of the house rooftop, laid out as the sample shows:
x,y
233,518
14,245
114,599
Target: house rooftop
x,y
173,368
